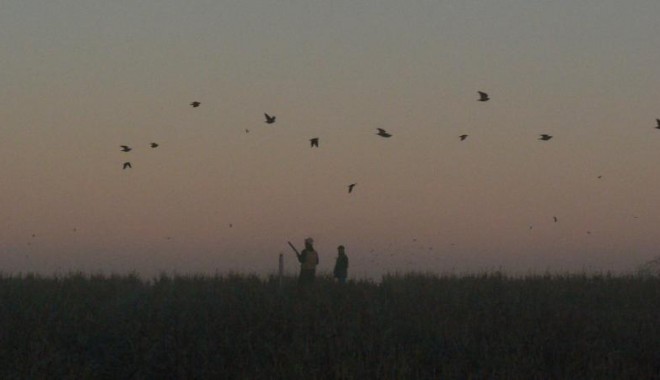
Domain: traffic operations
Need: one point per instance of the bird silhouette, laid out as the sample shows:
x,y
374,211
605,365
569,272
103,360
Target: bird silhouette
x,y
383,133
269,119
195,104
555,219
545,137
483,97
125,148
350,187
314,142
153,145
658,122
463,137
127,165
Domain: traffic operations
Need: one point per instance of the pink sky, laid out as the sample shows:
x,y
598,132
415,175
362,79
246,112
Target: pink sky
x,y
81,79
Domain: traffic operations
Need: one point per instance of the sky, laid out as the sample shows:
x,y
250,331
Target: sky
x,y
82,77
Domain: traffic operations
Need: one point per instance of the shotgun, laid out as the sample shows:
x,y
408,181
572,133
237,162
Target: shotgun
x,y
294,249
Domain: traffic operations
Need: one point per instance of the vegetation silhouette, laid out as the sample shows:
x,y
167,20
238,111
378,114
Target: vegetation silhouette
x,y
407,326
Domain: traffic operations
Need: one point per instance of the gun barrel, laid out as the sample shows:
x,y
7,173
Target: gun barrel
x,y
294,248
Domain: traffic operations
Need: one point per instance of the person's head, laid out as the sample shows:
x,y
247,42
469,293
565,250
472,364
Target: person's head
x,y
309,242
340,249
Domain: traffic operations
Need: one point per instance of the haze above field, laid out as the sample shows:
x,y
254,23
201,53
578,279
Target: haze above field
x,y
80,78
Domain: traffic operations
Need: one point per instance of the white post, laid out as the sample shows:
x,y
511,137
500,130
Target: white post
x,y
281,272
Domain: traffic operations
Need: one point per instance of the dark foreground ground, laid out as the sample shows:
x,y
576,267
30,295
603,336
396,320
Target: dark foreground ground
x,y
407,327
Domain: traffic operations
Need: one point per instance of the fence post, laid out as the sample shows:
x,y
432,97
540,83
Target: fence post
x,y
281,271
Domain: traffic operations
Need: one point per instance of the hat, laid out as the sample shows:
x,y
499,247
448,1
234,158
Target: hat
x,y
309,240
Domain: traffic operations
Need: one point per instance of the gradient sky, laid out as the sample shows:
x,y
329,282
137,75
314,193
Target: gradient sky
x,y
82,77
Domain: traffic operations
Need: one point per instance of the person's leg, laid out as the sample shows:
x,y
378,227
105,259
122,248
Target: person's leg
x,y
306,276
312,275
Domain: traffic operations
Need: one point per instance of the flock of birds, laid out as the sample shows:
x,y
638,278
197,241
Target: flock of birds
x,y
126,149
314,142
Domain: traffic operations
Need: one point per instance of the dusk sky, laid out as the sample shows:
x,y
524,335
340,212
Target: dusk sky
x,y
82,77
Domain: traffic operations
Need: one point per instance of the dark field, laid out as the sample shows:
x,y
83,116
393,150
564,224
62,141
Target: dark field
x,y
407,327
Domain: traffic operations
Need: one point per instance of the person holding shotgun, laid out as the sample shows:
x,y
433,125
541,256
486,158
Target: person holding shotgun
x,y
308,259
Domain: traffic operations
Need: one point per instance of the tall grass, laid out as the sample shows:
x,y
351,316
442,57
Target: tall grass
x,y
407,326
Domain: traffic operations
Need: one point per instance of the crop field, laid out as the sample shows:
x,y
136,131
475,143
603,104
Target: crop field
x,y
408,326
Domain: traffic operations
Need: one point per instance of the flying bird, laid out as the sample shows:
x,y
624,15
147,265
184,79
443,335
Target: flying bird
x,y
195,104
314,142
463,137
125,148
269,119
153,145
127,165
483,97
383,133
350,187
555,218
658,122
545,137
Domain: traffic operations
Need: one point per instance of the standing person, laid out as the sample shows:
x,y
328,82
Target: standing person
x,y
308,259
341,265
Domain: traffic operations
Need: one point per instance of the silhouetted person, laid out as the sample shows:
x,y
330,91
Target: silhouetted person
x,y
341,265
308,259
